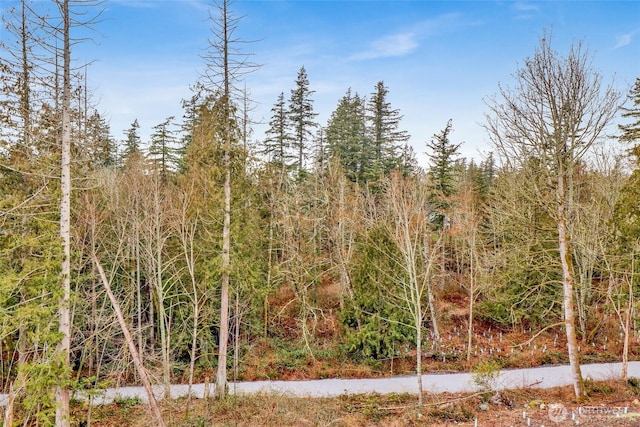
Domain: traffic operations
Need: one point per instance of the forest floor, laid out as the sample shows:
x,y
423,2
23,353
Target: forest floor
x,y
284,355
604,407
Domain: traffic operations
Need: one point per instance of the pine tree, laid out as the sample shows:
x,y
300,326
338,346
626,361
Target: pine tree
x,y
626,210
277,145
225,67
162,152
442,158
302,117
99,142
132,141
631,131
347,139
383,129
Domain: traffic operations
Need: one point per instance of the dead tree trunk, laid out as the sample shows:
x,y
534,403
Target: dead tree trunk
x,y
137,361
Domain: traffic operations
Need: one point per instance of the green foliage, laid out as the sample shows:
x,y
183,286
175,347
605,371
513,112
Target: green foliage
x,y
374,325
347,139
132,141
98,142
42,377
30,251
485,374
442,156
384,134
626,218
127,402
302,117
631,131
523,296
634,384
526,272
597,388
366,139
162,152
277,144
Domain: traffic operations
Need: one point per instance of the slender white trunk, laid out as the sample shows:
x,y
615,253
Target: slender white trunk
x,y
188,237
64,327
430,298
567,287
138,278
8,410
627,327
472,292
625,347
419,357
221,373
162,315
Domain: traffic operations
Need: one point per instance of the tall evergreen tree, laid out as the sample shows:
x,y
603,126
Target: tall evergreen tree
x,y
386,138
162,150
626,216
225,68
302,117
132,141
277,144
442,158
99,142
631,131
346,137
31,286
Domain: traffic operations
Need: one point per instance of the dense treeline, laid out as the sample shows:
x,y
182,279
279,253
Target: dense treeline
x,y
337,217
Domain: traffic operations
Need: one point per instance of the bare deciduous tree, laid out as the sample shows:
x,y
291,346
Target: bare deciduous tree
x,y
137,360
546,124
465,227
407,215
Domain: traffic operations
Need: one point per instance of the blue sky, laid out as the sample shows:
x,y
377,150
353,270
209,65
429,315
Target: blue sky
x,y
439,59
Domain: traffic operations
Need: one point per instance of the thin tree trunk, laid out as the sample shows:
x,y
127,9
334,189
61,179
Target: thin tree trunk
x,y
64,327
137,361
236,341
269,273
162,315
472,291
567,286
419,357
187,232
194,345
627,334
430,298
627,324
221,373
138,278
8,410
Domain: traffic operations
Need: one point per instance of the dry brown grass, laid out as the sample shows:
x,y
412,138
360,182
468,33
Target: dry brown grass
x,y
505,409
282,356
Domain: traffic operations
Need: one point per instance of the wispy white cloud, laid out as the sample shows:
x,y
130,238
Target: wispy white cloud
x,y
408,40
399,44
625,39
139,4
525,6
202,5
525,10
